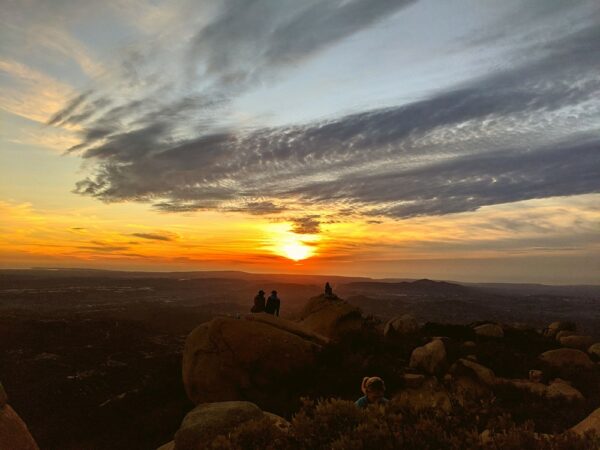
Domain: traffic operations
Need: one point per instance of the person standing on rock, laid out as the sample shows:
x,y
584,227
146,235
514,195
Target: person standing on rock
x,y
374,390
273,304
328,290
259,302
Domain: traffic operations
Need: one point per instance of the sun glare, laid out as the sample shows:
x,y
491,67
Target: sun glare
x,y
296,250
293,246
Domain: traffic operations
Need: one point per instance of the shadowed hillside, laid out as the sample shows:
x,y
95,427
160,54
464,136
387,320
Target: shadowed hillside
x,y
96,361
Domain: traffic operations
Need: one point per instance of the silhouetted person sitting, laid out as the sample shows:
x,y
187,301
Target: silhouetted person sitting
x,y
328,290
374,390
259,302
273,304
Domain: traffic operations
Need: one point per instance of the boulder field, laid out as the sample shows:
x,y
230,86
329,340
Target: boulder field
x,y
233,368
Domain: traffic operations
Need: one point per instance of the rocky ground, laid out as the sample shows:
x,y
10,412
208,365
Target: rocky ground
x,y
545,384
117,363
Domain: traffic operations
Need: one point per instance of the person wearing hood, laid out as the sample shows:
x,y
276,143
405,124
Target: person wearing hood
x,y
259,302
273,304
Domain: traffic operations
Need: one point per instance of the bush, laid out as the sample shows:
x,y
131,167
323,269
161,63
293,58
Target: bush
x,y
546,415
340,425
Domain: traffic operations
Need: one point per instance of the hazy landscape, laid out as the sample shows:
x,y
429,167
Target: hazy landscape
x,y
92,359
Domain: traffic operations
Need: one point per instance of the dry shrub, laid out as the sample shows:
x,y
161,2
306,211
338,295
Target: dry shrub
x,y
340,425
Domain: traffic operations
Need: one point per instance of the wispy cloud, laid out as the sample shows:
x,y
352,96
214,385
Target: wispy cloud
x,y
30,93
161,236
526,131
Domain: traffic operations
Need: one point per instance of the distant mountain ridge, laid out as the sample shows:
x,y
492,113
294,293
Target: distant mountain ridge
x,y
401,284
423,286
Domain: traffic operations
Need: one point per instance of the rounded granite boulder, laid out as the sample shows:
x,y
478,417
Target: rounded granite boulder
x,y
232,359
400,326
331,317
566,357
430,358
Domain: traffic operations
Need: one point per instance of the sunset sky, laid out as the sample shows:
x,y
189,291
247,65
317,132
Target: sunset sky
x,y
448,139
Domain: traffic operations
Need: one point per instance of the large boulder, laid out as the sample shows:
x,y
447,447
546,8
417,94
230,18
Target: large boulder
x,y
563,390
566,357
290,326
430,358
590,423
564,333
14,434
232,359
558,389
466,387
208,420
401,325
492,330
533,387
331,317
552,329
475,370
594,350
576,341
278,421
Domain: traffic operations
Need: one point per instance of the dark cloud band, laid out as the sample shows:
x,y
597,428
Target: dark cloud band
x,y
374,161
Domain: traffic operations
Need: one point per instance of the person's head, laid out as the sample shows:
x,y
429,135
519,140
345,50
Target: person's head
x,y
373,388
261,292
274,292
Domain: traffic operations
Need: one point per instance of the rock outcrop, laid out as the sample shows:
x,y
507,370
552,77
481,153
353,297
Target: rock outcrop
x,y
481,373
566,357
400,326
576,341
492,330
553,329
594,350
564,333
232,359
430,358
208,420
279,421
590,423
331,317
563,390
533,387
557,389
14,434
289,326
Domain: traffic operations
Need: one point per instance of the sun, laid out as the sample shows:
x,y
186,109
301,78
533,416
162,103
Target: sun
x,y
296,250
282,241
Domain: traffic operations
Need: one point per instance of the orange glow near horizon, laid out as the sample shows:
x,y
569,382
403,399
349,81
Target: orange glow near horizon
x,y
132,237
